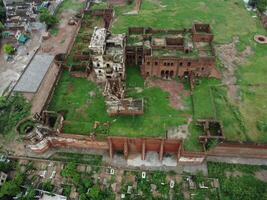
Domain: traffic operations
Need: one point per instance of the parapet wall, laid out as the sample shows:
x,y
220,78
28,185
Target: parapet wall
x,y
148,30
126,146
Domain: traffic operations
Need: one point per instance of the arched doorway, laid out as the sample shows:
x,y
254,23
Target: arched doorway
x,y
162,73
167,74
171,74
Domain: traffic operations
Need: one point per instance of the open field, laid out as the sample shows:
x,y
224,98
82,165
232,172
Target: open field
x,y
226,17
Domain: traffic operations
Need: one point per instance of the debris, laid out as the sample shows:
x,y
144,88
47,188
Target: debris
x,y
143,175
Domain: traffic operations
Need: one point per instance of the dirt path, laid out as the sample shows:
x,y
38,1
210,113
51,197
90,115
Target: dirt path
x,y
59,43
231,58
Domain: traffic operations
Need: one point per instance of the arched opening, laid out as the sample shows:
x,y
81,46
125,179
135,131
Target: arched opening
x,y
162,73
171,74
186,74
167,73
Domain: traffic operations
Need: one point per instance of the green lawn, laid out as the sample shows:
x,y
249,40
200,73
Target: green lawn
x,y
252,78
72,96
227,17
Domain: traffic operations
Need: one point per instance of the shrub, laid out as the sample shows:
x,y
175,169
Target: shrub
x,y
8,49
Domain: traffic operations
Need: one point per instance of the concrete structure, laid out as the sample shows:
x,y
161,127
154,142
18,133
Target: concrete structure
x,y
37,81
108,54
171,53
108,63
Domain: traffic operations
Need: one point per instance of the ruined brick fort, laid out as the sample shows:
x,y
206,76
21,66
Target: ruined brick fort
x,y
167,53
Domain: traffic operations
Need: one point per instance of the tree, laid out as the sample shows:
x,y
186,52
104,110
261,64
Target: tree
x,y
8,49
1,26
11,188
259,4
47,18
2,11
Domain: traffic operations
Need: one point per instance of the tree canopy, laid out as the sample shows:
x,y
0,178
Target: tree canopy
x,y
12,110
261,5
8,49
47,17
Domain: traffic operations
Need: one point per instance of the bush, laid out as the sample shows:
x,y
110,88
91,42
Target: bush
x,y
47,186
8,49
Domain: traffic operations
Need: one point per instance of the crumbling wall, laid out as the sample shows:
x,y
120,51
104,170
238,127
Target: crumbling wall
x,y
202,33
44,91
172,66
107,15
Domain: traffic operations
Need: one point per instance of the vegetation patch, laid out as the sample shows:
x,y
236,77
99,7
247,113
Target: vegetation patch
x,y
12,110
89,159
240,186
158,116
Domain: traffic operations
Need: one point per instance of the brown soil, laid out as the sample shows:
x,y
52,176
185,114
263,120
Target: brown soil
x,y
261,175
175,89
54,44
117,2
233,174
231,58
70,87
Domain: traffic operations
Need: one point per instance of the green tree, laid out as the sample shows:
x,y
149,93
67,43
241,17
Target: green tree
x,y
2,11
1,26
47,17
259,4
11,188
12,110
8,49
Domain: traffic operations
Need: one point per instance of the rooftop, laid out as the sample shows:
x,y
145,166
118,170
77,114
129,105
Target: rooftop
x,y
33,75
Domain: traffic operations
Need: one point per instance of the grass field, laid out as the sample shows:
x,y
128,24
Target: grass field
x,y
82,110
227,18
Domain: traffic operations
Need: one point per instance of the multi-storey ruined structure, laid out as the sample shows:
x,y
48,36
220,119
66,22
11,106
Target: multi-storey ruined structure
x,y
171,53
108,54
108,63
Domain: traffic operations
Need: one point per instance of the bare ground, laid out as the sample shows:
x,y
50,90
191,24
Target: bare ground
x,y
175,89
262,175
